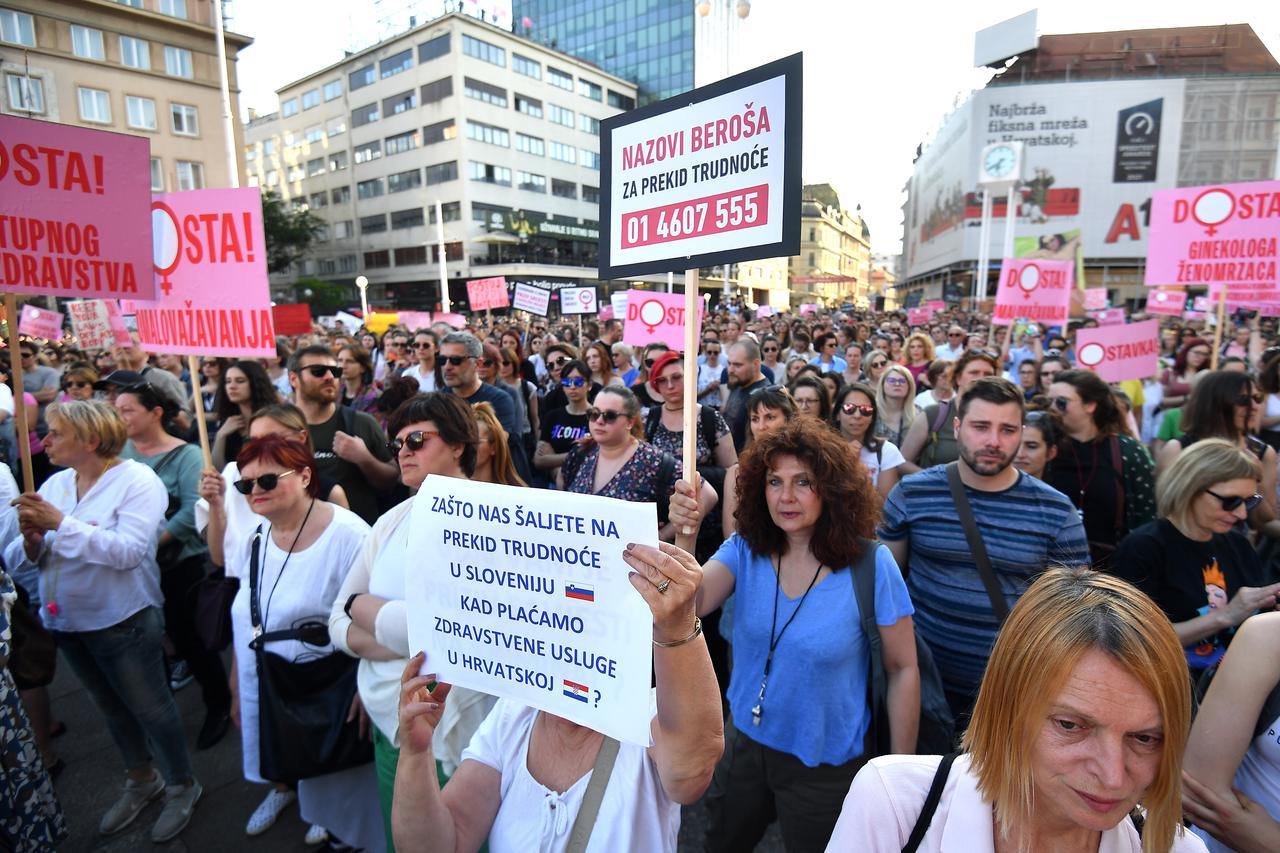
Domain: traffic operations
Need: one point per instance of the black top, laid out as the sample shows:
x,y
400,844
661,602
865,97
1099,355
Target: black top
x,y
735,411
562,429
1086,466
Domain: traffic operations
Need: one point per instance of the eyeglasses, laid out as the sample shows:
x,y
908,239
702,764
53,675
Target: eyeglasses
x,y
955,334
1061,403
267,482
594,414
487,362
716,351
854,408
455,360
413,440
557,362
648,362
1230,503
669,381
1249,399
876,365
572,382
423,345
766,349
894,380
320,371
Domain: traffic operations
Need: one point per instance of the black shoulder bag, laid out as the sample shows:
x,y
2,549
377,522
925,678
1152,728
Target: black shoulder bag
x,y
302,706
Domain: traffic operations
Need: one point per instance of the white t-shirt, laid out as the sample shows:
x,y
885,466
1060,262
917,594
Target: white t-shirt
x,y
636,813
426,381
1258,778
890,457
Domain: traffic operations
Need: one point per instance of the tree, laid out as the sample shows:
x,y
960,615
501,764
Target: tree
x,y
289,231
324,297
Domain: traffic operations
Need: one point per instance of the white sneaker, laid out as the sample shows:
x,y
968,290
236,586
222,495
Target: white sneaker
x,y
316,835
268,811
133,799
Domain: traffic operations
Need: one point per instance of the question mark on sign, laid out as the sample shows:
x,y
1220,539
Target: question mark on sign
x,y
597,692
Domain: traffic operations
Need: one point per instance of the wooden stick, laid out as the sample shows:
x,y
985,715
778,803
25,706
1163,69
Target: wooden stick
x,y
690,414
193,368
20,431
1217,331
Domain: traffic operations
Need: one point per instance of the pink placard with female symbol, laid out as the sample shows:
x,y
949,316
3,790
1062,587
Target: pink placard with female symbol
x,y
656,317
1116,353
40,323
1166,301
1036,289
1222,234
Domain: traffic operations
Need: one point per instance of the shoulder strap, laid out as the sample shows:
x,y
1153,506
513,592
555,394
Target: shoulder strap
x,y
348,419
168,457
930,804
707,422
592,797
976,545
254,616
944,409
651,423
863,576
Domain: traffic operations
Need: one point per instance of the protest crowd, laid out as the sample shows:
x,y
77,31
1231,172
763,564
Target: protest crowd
x,y
900,543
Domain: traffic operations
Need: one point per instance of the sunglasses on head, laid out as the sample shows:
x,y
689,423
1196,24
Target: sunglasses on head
x,y
854,408
594,414
1230,503
573,382
266,482
455,360
413,440
319,371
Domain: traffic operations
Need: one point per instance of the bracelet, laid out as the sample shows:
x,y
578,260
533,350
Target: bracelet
x,y
697,629
346,608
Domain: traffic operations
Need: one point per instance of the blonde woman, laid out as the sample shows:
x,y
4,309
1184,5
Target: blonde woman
x,y
493,456
895,403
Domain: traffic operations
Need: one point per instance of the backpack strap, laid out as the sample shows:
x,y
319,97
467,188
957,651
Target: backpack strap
x,y
348,415
930,804
651,423
666,470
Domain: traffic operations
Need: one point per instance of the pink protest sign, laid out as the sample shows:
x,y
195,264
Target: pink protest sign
x,y
1116,353
485,293
936,305
414,319
457,321
919,316
655,317
1095,299
764,311
40,323
1245,297
73,211
1166,302
606,313
1109,317
808,308
1035,289
98,324
1224,234
211,276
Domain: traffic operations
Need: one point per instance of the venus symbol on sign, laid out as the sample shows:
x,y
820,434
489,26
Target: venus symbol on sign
x,y
652,313
1028,278
1212,208
166,242
1091,354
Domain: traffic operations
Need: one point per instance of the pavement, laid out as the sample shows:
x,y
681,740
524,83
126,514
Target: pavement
x,y
94,775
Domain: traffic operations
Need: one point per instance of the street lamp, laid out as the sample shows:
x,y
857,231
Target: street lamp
x,y
363,284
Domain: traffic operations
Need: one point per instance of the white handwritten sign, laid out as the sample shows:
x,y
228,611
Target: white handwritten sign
x,y
524,594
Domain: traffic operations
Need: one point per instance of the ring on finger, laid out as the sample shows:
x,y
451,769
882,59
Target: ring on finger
x,y
662,587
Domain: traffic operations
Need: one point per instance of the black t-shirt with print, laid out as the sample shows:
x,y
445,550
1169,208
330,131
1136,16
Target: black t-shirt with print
x,y
562,429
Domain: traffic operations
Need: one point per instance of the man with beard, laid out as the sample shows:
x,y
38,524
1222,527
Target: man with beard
x,y
1026,526
350,447
459,352
745,376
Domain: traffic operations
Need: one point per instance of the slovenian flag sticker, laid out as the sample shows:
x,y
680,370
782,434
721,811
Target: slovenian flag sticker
x,y
580,591
574,690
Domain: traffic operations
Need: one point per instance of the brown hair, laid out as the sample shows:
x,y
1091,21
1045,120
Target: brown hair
x,y
504,470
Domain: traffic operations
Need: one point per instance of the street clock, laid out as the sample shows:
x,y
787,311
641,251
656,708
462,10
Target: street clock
x,y
1001,163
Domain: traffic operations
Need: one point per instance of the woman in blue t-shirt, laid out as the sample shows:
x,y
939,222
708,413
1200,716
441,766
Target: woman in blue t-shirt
x,y
798,694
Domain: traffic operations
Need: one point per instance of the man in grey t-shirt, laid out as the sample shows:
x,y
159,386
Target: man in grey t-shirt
x,y
39,381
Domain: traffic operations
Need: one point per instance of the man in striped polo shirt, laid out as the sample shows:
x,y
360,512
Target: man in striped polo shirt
x,y
1026,526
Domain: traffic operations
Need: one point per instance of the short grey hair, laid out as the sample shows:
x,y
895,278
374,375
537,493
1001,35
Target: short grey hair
x,y
623,349
474,348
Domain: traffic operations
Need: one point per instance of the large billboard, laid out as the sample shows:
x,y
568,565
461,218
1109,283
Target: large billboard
x,y
1095,152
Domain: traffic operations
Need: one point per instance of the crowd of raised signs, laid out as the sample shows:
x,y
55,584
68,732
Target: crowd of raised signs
x,y
1064,586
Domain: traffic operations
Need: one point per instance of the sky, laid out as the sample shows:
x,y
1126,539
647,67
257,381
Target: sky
x,y
877,82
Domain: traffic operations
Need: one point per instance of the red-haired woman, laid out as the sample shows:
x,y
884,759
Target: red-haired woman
x,y
806,511
303,553
1176,381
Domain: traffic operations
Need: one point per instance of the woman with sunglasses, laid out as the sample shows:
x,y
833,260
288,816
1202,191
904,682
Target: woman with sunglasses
x,y
874,366
567,426
854,416
245,389
558,357
510,340
770,353
895,403
435,434
77,383
1193,561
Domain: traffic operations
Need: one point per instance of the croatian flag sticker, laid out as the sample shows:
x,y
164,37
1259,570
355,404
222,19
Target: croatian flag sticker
x,y
574,690
580,591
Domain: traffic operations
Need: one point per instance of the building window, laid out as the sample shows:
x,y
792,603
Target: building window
x,y
340,195
402,181
394,64
371,188
26,94
86,43
320,199
332,90
251,152
377,260
272,178
296,173
310,98
172,8
488,133
590,159
157,175
587,124
532,183
289,108
590,194
140,112
560,115
437,91
337,161
483,50
587,89
560,79
410,218
442,172
135,53
488,214
487,173
452,252
190,176
400,103
411,255
268,147
344,229
17,28
313,134
400,143
451,211
619,101
564,153
373,224
177,62
529,106
434,49
484,92
531,145
441,131
361,116
360,78
95,105
526,66
132,4
185,119
347,263
336,126
368,151
563,189
315,167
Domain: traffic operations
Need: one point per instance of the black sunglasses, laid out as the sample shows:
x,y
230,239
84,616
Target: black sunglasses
x,y
594,414
1232,502
423,345
319,371
75,384
414,440
455,360
267,482
1248,399
1061,403
573,382
648,362
557,362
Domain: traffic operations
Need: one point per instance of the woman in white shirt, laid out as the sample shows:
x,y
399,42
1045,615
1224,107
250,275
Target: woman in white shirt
x,y
92,531
854,417
1088,671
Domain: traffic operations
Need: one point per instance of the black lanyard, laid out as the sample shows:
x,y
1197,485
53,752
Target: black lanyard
x,y
260,622
758,711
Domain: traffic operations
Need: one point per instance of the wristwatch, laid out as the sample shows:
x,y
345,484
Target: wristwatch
x,y
346,608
